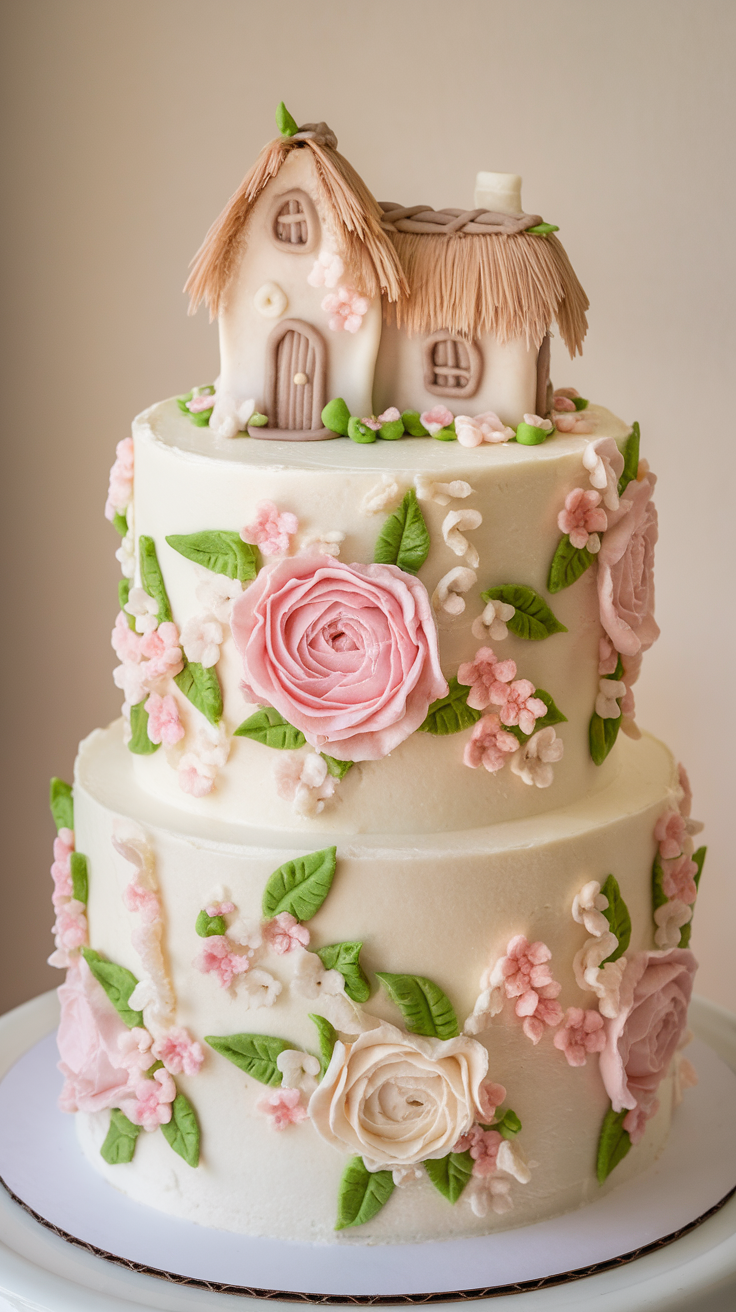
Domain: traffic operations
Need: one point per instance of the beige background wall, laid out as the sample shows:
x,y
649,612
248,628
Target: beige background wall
x,y
127,125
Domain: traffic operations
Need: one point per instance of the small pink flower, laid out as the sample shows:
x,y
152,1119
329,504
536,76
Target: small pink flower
x,y
142,901
70,930
135,1050
164,725
326,271
198,404
670,832
220,908
120,490
607,657
582,1032
548,1012
576,423
284,1106
567,392
635,1121
372,423
218,957
581,516
346,308
61,871
179,1053
482,428
524,974
563,404
284,933
151,1105
482,673
678,879
484,1146
271,530
195,778
126,643
163,651
490,1096
389,416
489,744
520,705
437,418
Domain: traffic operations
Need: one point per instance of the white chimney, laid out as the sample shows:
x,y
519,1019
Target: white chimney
x,y
500,192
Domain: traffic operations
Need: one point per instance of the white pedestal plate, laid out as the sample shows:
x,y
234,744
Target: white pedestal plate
x,y
42,1271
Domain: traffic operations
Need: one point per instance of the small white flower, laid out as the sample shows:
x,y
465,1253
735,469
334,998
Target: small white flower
x,y
405,1175
604,981
606,704
303,779
487,1005
512,1160
133,681
144,608
605,464
588,906
216,594
258,988
311,980
298,1070
533,762
326,271
246,933
669,919
126,555
230,416
441,493
454,525
201,639
493,623
386,495
446,598
535,421
327,544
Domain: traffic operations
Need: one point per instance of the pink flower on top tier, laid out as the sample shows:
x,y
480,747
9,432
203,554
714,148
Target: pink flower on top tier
x,y
284,933
150,1105
70,929
219,957
284,1106
346,653
271,529
582,517
643,1038
61,870
626,571
670,832
346,309
126,642
525,975
164,725
179,1052
135,1051
89,1034
520,705
678,879
582,1032
436,418
482,674
162,651
120,491
489,745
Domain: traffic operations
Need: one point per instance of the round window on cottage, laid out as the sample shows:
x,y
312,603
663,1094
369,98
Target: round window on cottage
x,y
294,224
452,365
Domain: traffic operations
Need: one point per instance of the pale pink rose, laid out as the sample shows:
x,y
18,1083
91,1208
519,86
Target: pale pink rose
x,y
582,1032
635,1121
490,1096
135,1051
163,651
126,643
436,418
219,957
346,309
389,416
150,1103
284,933
164,725
582,516
670,832
142,901
686,802
88,1037
642,1040
284,1106
469,433
518,705
120,490
489,745
678,879
179,1052
346,653
626,571
271,529
482,673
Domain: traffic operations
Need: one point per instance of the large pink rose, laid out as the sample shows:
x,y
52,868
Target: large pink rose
x,y
346,653
626,571
642,1040
88,1044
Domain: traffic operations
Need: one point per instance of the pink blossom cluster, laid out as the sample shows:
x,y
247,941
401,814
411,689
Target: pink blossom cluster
x,y
581,1033
145,658
220,957
494,683
284,1106
142,901
149,1103
346,308
524,974
490,1097
567,419
70,927
285,934
582,517
489,744
435,419
483,1146
180,1054
61,871
120,490
271,530
481,428
675,850
670,832
164,723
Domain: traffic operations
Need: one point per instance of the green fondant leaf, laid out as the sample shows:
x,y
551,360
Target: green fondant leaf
x,y
118,984
509,1125
286,125
450,1174
268,727
202,686
425,1008
300,886
686,931
221,551
530,435
254,1053
543,229
61,803
152,579
580,402
659,897
631,458
182,1131
413,424
139,742
210,926
345,957
613,1144
617,915
120,1140
201,418
602,734
532,618
446,434
336,416
554,716
338,769
360,432
362,1193
568,563
120,523
258,421
392,430
80,876
451,713
327,1040
123,595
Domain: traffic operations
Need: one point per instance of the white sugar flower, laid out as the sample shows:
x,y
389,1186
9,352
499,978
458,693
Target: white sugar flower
x,y
126,555
386,495
258,989
327,544
298,1070
487,1005
669,919
512,1160
441,493
326,271
246,933
588,906
216,594
311,980
605,464
145,609
493,623
447,600
606,704
406,1175
133,681
533,762
230,416
604,981
201,639
303,779
454,525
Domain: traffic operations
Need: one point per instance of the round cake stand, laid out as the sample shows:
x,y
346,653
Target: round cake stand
x,y
41,1272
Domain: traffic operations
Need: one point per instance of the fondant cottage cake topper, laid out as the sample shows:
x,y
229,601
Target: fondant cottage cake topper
x,y
340,316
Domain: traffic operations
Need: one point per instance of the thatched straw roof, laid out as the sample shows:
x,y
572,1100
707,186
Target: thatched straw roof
x,y
474,272
368,253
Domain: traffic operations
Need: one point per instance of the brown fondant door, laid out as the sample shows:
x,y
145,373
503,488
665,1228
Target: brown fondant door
x,y
295,381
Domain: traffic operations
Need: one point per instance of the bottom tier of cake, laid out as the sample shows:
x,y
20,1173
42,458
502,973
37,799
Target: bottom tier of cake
x,y
483,964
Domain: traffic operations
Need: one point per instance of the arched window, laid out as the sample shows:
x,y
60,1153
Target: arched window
x,y
294,222
452,366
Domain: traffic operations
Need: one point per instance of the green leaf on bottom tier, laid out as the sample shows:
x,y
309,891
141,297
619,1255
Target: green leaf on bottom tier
x,y
300,886
182,1131
80,876
617,915
425,1008
152,579
450,1174
118,984
327,1039
345,957
554,716
568,563
61,803
254,1053
120,1140
139,742
404,538
602,734
686,931
221,550
613,1145
631,458
202,686
451,713
362,1193
268,727
532,616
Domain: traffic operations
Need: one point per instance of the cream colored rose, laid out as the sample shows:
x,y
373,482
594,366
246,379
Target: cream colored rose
x,y
396,1099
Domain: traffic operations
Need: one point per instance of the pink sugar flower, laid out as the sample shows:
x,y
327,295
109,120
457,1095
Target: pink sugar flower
x,y
151,1104
284,1106
635,1121
220,908
607,657
576,423
271,530
670,832
135,1050
489,745
218,957
179,1052
483,1148
70,930
548,1012
524,974
142,901
518,705
61,871
436,418
582,516
482,673
582,1032
472,431
678,879
284,933
490,1096
563,404
346,309
372,423
163,651
120,490
126,643
389,416
195,778
164,725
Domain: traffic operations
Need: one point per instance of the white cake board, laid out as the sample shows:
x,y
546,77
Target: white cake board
x,y
43,1166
